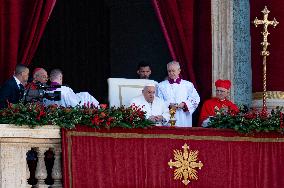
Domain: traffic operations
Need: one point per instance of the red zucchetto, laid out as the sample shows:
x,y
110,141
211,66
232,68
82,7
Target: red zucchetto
x,y
36,70
223,83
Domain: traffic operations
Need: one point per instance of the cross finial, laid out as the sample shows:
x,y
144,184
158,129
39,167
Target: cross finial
x,y
265,22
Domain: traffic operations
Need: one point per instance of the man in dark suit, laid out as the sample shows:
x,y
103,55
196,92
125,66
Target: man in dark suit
x,y
13,89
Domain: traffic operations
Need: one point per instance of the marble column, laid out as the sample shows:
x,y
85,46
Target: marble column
x,y
242,53
231,47
222,43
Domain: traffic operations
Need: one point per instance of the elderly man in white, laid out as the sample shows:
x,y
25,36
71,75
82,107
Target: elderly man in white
x,y
155,108
179,93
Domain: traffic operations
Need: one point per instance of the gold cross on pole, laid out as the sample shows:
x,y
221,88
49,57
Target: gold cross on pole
x,y
265,22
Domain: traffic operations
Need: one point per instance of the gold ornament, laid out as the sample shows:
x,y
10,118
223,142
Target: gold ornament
x,y
172,111
265,22
185,164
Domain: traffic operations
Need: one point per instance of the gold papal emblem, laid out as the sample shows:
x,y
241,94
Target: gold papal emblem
x,y
185,164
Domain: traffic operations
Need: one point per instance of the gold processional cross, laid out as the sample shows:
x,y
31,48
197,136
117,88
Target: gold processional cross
x,y
265,22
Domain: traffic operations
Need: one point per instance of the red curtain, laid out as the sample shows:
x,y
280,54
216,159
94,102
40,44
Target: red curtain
x,y
22,24
186,25
176,19
275,65
123,158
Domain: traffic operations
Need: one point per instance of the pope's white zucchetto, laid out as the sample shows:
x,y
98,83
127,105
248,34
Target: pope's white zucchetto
x,y
149,85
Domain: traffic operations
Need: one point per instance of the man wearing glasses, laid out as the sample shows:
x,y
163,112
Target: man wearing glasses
x,y
34,89
40,77
218,103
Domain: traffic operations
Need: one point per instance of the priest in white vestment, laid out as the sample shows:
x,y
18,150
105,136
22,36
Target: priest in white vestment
x,y
155,108
179,93
68,97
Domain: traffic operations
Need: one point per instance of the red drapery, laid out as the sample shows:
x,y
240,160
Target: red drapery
x,y
22,25
275,65
187,30
176,19
124,158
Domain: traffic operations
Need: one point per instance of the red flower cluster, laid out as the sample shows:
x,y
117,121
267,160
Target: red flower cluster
x,y
254,113
281,120
253,120
34,114
41,113
100,116
133,114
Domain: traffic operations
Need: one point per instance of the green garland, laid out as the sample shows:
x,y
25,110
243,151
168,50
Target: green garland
x,y
35,114
249,121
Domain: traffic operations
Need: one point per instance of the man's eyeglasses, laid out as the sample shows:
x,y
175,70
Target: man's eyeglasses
x,y
43,76
220,91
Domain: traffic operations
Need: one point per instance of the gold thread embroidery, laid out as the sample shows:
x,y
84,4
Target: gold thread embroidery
x,y
162,136
178,137
185,164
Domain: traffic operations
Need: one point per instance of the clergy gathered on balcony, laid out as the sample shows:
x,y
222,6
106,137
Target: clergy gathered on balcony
x,y
190,65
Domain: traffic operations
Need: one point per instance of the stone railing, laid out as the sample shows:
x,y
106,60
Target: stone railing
x,y
24,156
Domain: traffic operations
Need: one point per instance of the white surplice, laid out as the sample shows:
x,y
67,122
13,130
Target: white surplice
x,y
156,108
178,93
69,98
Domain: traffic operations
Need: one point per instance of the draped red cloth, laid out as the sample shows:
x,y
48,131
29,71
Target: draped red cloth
x,y
176,19
124,158
22,25
186,25
275,65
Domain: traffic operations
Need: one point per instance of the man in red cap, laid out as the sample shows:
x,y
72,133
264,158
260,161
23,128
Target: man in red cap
x,y
39,77
33,90
220,102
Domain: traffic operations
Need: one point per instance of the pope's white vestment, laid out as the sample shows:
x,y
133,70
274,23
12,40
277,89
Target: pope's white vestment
x,y
178,93
156,108
69,98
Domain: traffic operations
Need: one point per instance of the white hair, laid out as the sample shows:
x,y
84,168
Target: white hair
x,y
38,72
173,63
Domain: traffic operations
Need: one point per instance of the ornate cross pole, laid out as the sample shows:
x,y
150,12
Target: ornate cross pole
x,y
265,22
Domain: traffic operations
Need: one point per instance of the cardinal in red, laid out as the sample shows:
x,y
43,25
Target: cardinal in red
x,y
220,102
